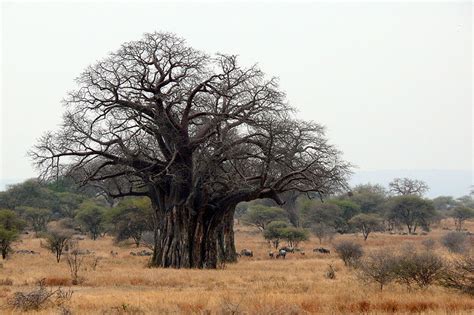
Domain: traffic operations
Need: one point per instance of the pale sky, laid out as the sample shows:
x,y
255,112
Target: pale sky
x,y
392,82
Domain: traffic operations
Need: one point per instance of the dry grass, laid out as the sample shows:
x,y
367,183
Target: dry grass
x,y
258,285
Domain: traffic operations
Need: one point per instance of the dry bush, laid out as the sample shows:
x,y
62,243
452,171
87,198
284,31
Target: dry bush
x,y
421,269
429,244
94,262
40,297
74,261
455,242
378,267
460,275
350,252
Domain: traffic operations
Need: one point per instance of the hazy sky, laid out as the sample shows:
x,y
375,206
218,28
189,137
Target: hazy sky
x,y
391,82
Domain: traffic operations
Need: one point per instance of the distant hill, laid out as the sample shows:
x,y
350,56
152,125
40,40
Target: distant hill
x,y
441,182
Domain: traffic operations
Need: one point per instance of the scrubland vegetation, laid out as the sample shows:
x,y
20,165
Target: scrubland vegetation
x,y
122,283
68,267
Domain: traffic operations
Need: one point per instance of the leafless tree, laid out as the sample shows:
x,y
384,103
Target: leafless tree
x,y
196,134
407,186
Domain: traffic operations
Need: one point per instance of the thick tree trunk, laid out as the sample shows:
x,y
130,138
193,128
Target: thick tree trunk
x,y
186,239
227,252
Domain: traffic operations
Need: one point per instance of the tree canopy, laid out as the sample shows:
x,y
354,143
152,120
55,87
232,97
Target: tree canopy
x,y
10,227
411,211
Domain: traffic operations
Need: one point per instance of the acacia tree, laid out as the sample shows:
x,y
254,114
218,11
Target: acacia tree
x,y
260,216
10,228
461,214
196,134
412,211
366,223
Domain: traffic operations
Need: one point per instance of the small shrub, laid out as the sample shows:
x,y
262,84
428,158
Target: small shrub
x,y
57,240
429,244
421,269
378,267
455,242
459,275
39,297
74,261
94,262
349,252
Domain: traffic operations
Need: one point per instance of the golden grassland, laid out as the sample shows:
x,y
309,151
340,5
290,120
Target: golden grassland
x,y
257,285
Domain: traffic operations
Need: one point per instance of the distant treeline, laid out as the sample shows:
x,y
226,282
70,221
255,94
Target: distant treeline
x,y
365,208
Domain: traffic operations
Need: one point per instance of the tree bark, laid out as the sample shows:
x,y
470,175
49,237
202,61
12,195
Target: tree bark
x,y
186,239
227,251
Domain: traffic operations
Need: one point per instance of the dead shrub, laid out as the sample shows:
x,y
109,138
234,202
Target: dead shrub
x,y
378,267
459,275
455,242
40,297
349,252
74,260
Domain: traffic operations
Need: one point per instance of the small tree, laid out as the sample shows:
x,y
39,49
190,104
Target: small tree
x,y
37,217
56,240
412,211
260,216
455,242
322,231
274,232
349,252
91,217
366,223
314,212
131,219
378,267
461,214
295,235
10,228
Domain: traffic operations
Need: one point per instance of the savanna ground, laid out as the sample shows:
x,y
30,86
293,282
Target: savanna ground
x,y
258,285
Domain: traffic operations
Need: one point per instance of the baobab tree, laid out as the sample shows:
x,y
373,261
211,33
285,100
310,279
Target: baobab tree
x,y
406,186
197,134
